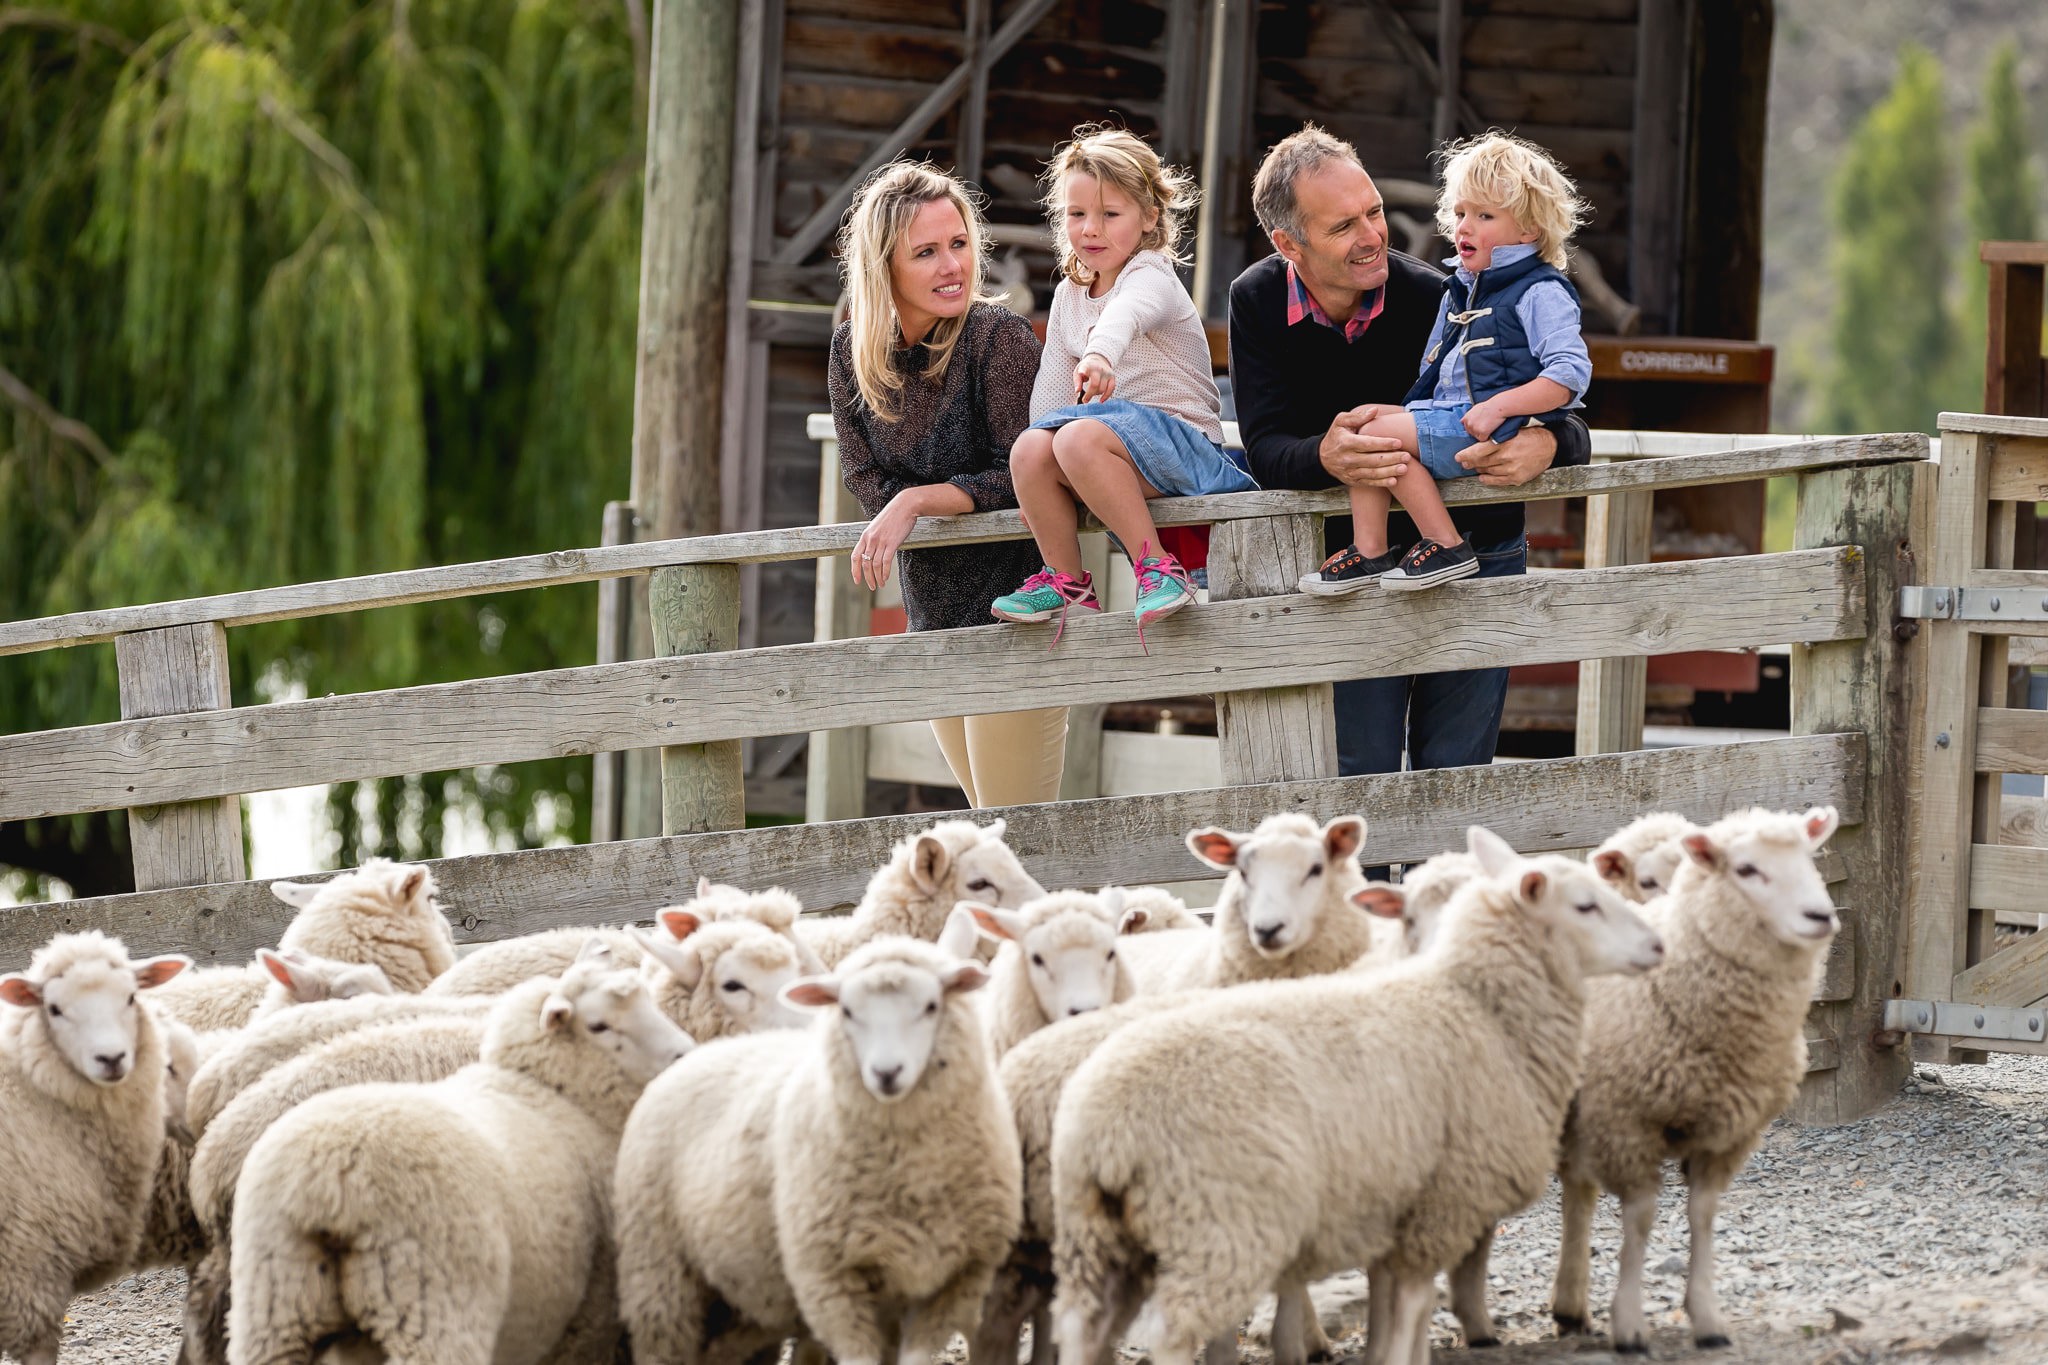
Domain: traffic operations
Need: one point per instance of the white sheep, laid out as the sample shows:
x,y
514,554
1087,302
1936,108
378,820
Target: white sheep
x,y
865,1180
926,875
420,1049
1692,1063
1421,1103
1058,959
381,914
1641,857
220,999
1284,912
82,1082
462,1222
1162,910
720,977
238,1060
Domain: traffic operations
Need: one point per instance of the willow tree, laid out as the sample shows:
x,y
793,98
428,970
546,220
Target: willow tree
x,y
299,289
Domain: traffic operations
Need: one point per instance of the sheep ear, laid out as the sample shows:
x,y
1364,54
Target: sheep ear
x,y
1134,920
279,966
1496,857
962,977
1381,898
1532,886
1612,865
703,887
812,992
157,970
414,881
595,949
17,989
1004,924
557,1012
680,923
1216,847
1111,899
1820,822
1700,848
960,937
929,861
994,829
1344,836
682,960
294,894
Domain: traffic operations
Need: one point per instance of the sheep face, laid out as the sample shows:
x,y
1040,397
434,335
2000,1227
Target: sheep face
x,y
1284,866
889,1014
610,1005
181,1061
311,978
1070,959
957,862
744,964
1768,857
1421,898
1654,870
1573,901
90,1009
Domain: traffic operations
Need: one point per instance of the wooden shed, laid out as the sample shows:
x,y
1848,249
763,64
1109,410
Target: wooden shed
x,y
1656,107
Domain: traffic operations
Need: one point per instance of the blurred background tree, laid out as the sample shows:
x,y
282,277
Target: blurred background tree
x,y
2001,198
302,289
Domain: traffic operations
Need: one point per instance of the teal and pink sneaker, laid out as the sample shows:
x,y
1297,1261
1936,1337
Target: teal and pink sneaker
x,y
1046,594
1163,589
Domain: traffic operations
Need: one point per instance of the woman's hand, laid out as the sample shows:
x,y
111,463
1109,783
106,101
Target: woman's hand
x,y
874,554
1094,379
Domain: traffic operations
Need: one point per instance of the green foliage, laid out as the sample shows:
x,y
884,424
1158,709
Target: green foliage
x,y
1895,333
2002,190
301,289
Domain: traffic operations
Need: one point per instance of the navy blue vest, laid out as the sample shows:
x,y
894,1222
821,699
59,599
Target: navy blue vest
x,y
1490,332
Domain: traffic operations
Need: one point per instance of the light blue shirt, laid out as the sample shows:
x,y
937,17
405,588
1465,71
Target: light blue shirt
x,y
1549,316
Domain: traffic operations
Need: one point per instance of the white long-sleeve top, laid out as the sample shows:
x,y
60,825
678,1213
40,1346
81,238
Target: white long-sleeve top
x,y
1147,328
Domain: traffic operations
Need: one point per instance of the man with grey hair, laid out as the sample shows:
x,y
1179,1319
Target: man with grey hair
x,y
1325,334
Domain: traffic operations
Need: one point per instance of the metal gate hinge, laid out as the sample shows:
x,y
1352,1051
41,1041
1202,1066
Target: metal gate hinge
x,y
1926,602
1954,1019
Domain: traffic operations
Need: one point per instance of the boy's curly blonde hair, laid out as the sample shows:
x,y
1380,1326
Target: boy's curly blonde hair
x,y
1505,172
1116,156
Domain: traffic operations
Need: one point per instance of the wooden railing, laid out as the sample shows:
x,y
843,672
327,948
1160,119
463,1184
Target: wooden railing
x,y
181,757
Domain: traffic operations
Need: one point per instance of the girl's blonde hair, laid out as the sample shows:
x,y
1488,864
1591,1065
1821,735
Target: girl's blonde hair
x,y
882,212
1505,172
1118,157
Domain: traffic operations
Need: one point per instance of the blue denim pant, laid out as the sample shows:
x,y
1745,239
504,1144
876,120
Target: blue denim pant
x,y
1444,720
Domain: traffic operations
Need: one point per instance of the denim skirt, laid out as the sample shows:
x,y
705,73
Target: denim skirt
x,y
1175,458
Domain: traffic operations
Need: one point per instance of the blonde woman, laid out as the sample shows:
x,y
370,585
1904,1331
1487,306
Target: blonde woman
x,y
931,384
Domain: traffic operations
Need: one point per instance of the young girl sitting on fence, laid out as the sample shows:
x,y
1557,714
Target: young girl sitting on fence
x,y
1506,347
1125,408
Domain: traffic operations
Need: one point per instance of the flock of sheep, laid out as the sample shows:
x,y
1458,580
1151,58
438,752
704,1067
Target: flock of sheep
x,y
874,1132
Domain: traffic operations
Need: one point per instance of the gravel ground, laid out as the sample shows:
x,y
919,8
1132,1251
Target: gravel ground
x,y
1920,1233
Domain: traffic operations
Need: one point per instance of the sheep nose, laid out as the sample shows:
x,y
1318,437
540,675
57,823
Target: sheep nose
x,y
1821,916
1269,934
113,1065
887,1078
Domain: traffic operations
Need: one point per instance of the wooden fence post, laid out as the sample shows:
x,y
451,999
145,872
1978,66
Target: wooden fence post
x,y
167,672
614,637
696,610
1869,686
1277,734
836,779
1612,691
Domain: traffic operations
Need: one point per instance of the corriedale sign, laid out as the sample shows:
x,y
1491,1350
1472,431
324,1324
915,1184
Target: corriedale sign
x,y
1702,360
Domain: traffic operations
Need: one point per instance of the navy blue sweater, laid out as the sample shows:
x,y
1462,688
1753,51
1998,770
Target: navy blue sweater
x,y
1289,383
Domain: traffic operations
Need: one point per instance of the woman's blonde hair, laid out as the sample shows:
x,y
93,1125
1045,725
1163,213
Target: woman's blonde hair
x,y
1119,157
1505,172
882,212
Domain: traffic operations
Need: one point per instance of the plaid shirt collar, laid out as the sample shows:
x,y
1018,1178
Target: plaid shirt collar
x,y
1302,307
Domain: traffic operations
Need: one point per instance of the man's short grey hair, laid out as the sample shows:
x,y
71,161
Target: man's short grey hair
x,y
1291,158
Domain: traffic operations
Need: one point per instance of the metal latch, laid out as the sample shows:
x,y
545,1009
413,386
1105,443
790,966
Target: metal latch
x,y
1954,1019
1973,604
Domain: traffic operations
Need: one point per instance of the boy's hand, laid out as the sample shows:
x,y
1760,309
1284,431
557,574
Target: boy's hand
x,y
1481,419
1094,379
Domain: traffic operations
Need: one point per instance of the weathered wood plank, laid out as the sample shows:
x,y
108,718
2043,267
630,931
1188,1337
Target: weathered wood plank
x,y
696,610
163,673
1282,734
2014,977
2007,877
2019,468
1612,691
2011,740
1290,641
836,783
1550,804
1864,685
1994,424
293,601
